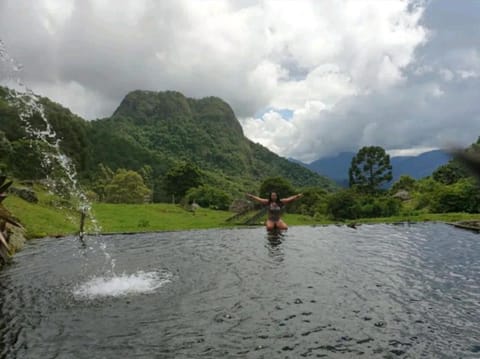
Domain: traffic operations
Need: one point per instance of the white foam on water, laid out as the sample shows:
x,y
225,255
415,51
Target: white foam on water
x,y
122,285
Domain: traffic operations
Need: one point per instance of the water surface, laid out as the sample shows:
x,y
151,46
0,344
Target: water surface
x,y
380,291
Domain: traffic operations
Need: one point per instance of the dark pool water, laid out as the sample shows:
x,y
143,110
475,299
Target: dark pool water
x,y
380,291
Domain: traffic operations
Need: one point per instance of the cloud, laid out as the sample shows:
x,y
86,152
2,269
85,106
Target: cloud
x,y
351,72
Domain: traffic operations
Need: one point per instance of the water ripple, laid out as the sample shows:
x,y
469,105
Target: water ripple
x,y
381,291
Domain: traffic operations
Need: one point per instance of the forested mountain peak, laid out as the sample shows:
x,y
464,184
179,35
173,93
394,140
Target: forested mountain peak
x,y
150,107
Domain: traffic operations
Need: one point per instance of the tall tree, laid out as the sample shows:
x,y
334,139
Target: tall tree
x,y
370,169
280,185
181,177
450,173
103,177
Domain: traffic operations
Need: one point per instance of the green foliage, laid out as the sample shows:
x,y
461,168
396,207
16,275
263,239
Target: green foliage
x,y
209,197
313,202
280,185
370,168
425,192
181,177
102,178
350,204
126,187
5,146
450,173
25,160
463,196
405,182
5,151
157,130
343,205
384,206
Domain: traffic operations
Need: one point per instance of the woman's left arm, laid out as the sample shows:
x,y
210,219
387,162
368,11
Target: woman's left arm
x,y
292,198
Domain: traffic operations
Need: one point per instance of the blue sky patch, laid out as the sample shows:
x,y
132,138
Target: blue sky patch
x,y
286,113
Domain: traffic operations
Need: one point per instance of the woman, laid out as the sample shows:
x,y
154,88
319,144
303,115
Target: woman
x,y
274,207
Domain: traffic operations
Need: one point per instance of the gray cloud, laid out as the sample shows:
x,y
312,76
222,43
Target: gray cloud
x,y
353,74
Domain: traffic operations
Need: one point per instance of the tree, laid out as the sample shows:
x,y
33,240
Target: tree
x,y
370,168
312,203
126,187
405,182
463,196
103,178
26,159
5,151
280,185
343,205
147,174
181,177
208,196
450,173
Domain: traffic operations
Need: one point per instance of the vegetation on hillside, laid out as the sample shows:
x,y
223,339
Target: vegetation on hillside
x,y
160,131
164,147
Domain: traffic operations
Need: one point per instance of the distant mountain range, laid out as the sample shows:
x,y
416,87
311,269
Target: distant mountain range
x,y
336,167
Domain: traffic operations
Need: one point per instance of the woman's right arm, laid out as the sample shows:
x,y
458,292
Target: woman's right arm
x,y
257,199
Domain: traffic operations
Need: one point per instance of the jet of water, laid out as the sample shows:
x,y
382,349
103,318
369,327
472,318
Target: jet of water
x,y
61,172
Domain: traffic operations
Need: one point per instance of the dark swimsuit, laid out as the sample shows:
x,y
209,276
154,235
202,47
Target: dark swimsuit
x,y
274,209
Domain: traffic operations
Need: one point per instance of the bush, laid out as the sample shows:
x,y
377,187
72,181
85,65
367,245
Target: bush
x,y
126,187
280,185
313,202
343,205
348,204
463,196
405,182
208,196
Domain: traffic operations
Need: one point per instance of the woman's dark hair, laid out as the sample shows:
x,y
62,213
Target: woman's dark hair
x,y
270,200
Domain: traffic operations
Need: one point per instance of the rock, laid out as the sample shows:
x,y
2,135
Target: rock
x,y
403,195
194,206
26,194
16,238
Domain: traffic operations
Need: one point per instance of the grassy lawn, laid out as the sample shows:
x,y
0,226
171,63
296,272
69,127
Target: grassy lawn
x,y
42,219
155,217
49,218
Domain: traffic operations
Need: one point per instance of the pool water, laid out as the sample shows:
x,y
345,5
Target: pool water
x,y
378,291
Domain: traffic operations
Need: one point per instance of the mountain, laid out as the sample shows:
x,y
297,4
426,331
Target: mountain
x,y
204,131
419,166
157,129
336,167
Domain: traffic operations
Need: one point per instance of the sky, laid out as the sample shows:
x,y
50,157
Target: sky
x,y
307,79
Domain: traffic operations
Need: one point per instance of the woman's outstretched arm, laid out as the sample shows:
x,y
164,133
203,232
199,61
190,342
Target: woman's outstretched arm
x,y
257,199
292,198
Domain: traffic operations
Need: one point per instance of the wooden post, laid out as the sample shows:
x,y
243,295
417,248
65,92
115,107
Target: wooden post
x,y
4,248
82,224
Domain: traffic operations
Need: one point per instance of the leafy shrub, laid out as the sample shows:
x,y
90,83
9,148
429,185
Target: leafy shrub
x,y
208,196
343,205
463,196
349,204
405,182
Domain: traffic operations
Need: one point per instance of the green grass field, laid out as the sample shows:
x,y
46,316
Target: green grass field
x,y
49,218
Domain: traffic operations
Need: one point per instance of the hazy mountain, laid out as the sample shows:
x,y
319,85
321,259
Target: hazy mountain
x,y
336,167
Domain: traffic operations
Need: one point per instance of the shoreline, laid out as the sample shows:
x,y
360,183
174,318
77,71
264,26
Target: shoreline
x,y
461,225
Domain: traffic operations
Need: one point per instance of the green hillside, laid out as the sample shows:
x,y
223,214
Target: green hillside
x,y
155,129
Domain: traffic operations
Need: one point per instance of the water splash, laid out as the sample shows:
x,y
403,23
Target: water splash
x,y
122,285
61,172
